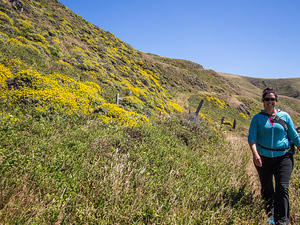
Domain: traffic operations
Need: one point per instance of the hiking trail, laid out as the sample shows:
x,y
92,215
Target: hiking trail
x,y
240,146
238,143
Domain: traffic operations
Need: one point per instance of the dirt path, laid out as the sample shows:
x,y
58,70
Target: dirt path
x,y
182,99
240,146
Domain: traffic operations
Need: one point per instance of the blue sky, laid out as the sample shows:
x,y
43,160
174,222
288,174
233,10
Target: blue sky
x,y
257,38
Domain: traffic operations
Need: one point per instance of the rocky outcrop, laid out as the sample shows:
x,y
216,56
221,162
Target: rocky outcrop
x,y
18,5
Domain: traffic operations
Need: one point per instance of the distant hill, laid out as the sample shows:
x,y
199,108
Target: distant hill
x,y
288,90
288,87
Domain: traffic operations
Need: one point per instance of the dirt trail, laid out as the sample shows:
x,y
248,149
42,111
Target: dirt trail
x,y
182,99
240,146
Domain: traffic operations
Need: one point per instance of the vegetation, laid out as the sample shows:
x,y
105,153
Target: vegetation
x,y
81,170
70,155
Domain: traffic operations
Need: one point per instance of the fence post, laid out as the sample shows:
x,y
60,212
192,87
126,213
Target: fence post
x,y
222,120
228,123
199,107
117,99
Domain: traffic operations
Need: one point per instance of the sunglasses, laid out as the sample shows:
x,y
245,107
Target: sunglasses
x,y
269,99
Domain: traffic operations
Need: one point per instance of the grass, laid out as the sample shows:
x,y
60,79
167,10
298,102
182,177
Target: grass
x,y
79,170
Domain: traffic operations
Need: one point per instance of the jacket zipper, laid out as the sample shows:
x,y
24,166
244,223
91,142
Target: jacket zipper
x,y
272,137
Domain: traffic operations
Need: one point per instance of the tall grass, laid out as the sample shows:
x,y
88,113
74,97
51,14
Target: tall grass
x,y
79,170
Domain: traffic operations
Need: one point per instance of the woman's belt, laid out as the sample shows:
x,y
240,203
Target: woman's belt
x,y
272,149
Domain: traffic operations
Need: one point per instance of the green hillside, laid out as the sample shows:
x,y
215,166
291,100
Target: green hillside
x,y
69,154
286,88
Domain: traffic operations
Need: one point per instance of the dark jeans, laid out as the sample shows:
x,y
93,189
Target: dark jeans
x,y
277,202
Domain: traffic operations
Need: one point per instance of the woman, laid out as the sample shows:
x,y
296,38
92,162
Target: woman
x,y
270,136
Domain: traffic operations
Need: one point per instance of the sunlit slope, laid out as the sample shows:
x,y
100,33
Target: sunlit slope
x,y
57,61
288,90
289,87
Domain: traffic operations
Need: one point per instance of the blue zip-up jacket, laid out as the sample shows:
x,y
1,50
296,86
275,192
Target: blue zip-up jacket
x,y
262,132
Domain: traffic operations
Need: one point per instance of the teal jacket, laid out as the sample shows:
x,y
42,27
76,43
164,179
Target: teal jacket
x,y
272,136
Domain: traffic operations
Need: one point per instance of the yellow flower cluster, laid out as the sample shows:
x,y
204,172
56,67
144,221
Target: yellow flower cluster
x,y
24,25
149,75
214,129
65,26
34,44
161,106
79,51
228,122
114,113
242,115
13,29
64,63
90,74
132,99
219,102
127,71
166,107
13,63
17,43
174,107
56,40
62,94
5,18
55,91
38,38
205,117
135,91
5,73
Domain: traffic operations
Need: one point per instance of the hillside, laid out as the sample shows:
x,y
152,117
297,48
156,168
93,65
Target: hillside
x,y
69,154
287,89
47,48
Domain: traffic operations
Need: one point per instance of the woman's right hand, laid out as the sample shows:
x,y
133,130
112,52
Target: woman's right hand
x,y
256,157
257,160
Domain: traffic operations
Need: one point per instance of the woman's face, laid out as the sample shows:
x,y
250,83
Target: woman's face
x,y
269,101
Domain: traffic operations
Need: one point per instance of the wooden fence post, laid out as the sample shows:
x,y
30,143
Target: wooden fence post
x,y
228,123
118,99
194,116
222,120
199,107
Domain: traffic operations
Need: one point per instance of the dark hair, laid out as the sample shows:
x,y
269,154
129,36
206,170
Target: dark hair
x,y
269,90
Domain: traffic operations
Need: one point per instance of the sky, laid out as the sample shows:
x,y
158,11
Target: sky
x,y
256,38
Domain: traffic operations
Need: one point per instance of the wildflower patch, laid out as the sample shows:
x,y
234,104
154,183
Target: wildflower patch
x,y
61,94
112,113
53,92
4,18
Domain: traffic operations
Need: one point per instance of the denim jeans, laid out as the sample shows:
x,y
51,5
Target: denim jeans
x,y
277,201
